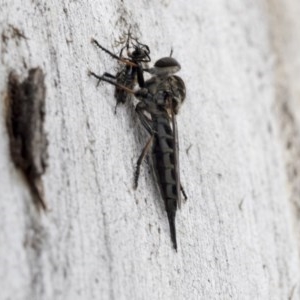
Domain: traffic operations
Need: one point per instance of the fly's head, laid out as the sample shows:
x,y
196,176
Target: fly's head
x,y
164,67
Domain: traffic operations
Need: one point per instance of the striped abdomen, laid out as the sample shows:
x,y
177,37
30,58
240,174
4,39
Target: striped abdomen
x,y
164,157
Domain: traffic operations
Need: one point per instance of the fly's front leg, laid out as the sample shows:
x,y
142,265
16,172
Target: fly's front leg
x,y
140,76
121,59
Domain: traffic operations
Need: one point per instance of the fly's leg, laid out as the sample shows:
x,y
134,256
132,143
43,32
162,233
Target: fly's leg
x,y
121,51
116,106
183,192
127,42
147,123
120,86
108,75
123,60
140,76
145,151
105,50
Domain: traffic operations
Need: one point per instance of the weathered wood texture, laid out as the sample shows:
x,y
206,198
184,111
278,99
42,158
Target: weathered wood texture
x,y
238,234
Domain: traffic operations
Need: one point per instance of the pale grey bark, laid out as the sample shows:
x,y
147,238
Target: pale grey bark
x,y
238,233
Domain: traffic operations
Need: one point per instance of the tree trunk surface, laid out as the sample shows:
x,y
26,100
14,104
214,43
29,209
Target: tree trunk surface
x,y
238,233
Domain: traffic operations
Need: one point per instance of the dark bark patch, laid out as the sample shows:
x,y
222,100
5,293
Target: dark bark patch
x,y
25,123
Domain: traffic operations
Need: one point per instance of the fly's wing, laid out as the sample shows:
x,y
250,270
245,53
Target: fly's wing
x,y
176,155
178,93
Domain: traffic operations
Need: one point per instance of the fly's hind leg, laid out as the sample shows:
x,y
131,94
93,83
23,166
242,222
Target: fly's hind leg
x,y
145,151
147,123
183,192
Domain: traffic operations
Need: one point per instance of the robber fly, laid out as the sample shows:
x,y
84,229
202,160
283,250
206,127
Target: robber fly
x,y
161,97
131,72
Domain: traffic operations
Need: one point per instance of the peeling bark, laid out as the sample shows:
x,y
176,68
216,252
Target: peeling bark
x,y
25,124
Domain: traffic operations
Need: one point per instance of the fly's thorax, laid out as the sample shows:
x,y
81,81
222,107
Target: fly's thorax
x,y
168,91
152,84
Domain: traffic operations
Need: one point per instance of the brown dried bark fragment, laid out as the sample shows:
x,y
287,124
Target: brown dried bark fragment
x,y
25,119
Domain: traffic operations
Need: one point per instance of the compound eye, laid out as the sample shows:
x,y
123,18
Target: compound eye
x,y
166,65
167,62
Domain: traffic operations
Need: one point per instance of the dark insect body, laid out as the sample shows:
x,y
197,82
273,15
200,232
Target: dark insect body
x,y
131,72
160,97
25,120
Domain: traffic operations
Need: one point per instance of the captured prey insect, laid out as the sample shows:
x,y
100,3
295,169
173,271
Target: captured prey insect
x,y
131,72
161,97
